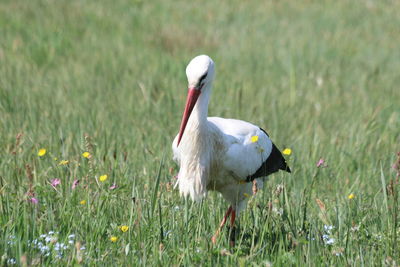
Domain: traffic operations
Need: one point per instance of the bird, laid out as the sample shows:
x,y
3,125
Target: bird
x,y
229,156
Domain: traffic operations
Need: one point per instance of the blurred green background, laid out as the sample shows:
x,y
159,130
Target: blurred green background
x,y
320,76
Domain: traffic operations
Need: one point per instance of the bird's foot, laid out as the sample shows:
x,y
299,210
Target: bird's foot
x,y
232,236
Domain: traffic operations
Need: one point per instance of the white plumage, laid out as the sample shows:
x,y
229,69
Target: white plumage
x,y
214,153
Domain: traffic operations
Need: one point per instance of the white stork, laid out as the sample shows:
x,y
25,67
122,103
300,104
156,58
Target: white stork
x,y
230,156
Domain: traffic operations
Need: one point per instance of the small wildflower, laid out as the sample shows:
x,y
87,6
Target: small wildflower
x,y
86,154
75,184
103,178
82,202
124,228
320,162
287,151
328,228
254,138
328,240
11,261
42,152
49,239
34,200
55,182
63,162
113,239
113,187
351,196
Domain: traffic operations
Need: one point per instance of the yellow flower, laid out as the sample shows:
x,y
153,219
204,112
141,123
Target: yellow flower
x,y
103,178
63,162
41,152
287,151
254,138
124,228
351,196
86,154
246,195
83,202
113,239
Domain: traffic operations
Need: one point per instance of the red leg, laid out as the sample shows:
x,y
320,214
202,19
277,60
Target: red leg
x,y
255,190
228,212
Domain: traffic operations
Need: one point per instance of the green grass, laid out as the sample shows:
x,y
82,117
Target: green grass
x,y
108,77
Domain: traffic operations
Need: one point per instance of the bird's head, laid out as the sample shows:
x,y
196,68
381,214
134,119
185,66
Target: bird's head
x,y
200,74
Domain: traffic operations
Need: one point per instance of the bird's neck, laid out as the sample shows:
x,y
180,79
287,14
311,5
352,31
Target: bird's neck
x,y
198,118
196,151
197,129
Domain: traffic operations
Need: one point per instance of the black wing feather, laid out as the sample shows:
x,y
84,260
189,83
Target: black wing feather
x,y
273,163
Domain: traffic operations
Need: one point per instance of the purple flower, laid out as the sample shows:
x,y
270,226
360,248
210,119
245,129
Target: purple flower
x,y
113,186
34,200
75,184
55,182
320,162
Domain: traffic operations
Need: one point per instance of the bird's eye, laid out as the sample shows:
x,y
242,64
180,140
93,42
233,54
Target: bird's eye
x,y
202,78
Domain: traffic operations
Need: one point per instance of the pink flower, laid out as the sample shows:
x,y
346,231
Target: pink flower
x,y
55,182
113,186
320,162
75,184
34,200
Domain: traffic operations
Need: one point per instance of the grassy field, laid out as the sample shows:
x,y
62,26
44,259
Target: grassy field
x,y
108,78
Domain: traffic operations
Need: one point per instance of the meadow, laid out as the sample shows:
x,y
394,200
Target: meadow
x,y
91,97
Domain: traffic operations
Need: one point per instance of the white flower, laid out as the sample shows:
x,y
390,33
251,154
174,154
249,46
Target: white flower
x,y
44,249
71,236
11,261
330,241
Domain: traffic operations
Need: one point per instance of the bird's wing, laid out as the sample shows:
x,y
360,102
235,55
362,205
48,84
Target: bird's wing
x,y
250,152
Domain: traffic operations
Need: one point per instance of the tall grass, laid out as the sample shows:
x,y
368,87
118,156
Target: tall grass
x,y
108,77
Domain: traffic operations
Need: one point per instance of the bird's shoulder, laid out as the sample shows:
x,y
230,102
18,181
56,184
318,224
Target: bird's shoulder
x,y
237,128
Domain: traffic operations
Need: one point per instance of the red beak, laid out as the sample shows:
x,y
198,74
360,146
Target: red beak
x,y
193,95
